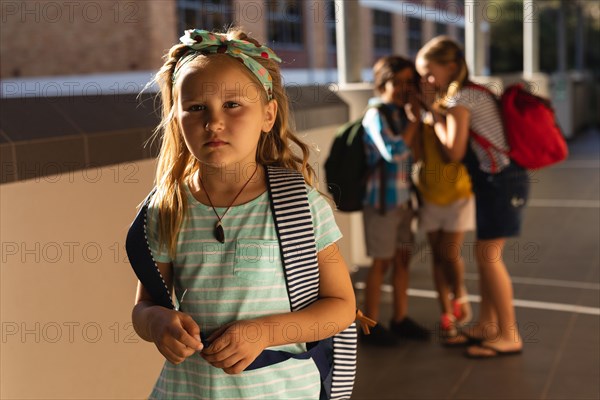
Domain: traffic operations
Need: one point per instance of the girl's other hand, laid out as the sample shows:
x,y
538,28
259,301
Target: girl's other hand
x,y
413,107
235,346
428,94
175,334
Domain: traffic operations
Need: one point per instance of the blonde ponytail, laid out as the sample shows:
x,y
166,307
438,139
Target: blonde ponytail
x,y
443,50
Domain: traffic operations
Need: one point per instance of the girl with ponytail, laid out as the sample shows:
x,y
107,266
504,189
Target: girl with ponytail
x,y
463,112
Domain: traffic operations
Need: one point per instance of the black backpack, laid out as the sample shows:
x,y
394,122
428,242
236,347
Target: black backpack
x,y
346,169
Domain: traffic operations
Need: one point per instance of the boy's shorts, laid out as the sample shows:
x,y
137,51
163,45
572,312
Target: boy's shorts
x,y
458,216
385,234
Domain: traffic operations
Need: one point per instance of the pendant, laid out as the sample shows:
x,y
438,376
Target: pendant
x,y
219,232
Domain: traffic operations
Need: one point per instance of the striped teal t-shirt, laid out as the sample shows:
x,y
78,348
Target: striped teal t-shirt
x,y
239,279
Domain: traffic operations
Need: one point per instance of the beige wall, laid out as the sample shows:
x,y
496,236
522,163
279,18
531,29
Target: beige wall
x,y
366,22
65,315
250,16
316,14
75,304
400,35
63,38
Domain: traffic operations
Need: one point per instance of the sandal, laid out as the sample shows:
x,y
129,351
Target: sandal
x,y
472,340
450,336
461,309
495,352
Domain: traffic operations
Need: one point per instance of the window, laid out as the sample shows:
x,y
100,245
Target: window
x,y
460,32
285,25
440,29
382,29
207,14
414,36
330,19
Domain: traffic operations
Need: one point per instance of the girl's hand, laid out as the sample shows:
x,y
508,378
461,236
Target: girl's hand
x,y
413,107
175,334
428,94
234,346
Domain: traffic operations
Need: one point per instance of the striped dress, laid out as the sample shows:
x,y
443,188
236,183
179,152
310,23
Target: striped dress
x,y
240,279
485,121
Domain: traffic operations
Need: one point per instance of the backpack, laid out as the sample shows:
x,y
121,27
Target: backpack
x,y
532,132
335,357
346,168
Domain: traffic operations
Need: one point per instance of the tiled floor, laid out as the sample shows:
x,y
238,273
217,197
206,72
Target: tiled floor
x,y
555,266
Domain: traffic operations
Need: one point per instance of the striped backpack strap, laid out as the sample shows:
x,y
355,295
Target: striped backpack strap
x,y
295,231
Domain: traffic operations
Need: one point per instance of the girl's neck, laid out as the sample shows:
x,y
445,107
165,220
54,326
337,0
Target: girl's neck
x,y
224,183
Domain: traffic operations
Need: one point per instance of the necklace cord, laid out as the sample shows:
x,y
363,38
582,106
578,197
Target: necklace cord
x,y
232,201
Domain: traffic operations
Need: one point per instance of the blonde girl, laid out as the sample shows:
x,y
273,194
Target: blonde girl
x,y
211,231
500,186
446,213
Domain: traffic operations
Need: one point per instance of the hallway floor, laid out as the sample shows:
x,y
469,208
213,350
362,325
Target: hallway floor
x,y
555,266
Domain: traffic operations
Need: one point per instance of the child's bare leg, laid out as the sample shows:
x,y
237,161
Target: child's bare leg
x,y
451,244
439,275
487,322
498,286
373,287
400,282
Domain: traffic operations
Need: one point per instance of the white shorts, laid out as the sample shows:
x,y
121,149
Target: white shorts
x,y
458,216
388,233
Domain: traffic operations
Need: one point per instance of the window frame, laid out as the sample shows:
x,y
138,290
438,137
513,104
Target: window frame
x,y
280,21
385,30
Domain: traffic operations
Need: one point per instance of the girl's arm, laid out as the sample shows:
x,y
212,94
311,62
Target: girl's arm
x,y
235,346
175,334
416,147
410,132
453,132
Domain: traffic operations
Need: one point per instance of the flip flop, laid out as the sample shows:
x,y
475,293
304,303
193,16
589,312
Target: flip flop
x,y
497,353
450,341
472,340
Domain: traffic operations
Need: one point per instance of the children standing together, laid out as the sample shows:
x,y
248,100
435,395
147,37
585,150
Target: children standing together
x,y
463,186
500,186
212,234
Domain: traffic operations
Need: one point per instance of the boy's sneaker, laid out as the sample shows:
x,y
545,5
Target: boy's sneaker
x,y
380,337
409,329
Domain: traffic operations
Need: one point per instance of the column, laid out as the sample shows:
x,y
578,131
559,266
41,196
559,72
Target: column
x,y
349,58
476,34
531,38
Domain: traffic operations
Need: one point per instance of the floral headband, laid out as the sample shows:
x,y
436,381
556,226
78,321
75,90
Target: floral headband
x,y
203,42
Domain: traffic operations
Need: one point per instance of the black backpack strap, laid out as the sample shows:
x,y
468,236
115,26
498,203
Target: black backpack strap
x,y
141,260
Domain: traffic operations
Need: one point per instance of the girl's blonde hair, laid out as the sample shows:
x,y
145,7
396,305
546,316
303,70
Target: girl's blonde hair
x,y
443,50
175,162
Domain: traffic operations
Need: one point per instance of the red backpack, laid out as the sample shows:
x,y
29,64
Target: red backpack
x,y
532,132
